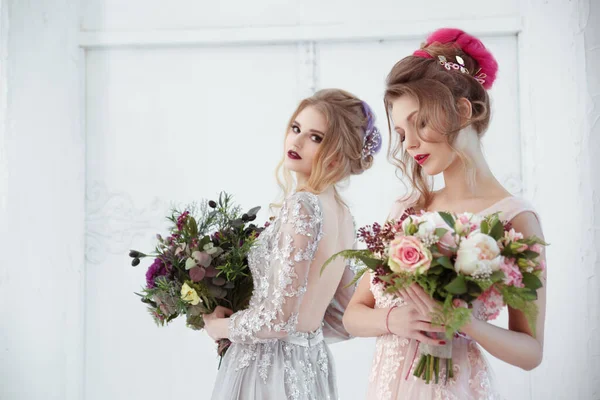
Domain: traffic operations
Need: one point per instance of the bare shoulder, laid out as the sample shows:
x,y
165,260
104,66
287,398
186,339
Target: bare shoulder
x,y
527,223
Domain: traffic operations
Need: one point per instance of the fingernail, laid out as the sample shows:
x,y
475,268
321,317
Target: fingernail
x,y
442,342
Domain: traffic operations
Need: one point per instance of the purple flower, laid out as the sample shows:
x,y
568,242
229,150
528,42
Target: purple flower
x,y
182,219
158,268
380,271
371,236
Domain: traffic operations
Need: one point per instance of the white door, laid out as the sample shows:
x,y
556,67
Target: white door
x,y
175,124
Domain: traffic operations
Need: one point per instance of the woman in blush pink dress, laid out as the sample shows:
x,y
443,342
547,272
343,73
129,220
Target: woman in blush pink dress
x,y
439,109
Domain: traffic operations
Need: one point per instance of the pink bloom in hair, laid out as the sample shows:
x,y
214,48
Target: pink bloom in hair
x,y
422,54
470,45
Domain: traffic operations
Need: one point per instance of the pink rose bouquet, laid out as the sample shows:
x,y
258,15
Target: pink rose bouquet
x,y
480,260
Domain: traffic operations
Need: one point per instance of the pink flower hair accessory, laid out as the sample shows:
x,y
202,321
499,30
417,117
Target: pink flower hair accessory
x,y
470,45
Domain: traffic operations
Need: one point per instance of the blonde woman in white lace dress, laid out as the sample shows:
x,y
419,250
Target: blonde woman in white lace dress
x,y
279,348
439,110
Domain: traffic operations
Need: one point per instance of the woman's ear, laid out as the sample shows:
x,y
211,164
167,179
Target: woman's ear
x,y
465,108
334,163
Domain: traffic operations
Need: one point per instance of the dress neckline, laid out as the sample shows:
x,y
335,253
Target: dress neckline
x,y
484,211
495,205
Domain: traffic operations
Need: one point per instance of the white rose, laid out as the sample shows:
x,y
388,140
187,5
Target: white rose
x,y
426,228
479,254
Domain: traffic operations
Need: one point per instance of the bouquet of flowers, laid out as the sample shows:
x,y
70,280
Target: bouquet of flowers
x,y
201,263
453,256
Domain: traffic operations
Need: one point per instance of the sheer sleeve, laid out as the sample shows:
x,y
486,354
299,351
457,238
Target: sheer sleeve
x,y
273,310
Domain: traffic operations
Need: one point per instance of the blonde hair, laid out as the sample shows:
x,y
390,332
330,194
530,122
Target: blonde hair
x,y
342,143
437,93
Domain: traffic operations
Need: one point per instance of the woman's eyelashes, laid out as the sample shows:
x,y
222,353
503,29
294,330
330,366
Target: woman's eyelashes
x,y
401,134
314,137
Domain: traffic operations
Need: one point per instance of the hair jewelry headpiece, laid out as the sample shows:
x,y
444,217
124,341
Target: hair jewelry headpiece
x,y
372,138
469,45
460,66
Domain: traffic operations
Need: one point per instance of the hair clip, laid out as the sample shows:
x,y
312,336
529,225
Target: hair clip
x,y
459,65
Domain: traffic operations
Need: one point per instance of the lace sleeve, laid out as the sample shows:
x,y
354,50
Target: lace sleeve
x,y
274,311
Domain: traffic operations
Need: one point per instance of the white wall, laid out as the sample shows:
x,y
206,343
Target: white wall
x,y
42,202
559,152
589,22
44,170
168,124
3,109
148,15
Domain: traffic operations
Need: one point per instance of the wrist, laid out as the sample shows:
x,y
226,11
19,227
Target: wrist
x,y
470,327
223,328
387,319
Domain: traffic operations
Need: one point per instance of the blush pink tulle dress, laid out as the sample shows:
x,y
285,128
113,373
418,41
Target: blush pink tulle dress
x,y
391,376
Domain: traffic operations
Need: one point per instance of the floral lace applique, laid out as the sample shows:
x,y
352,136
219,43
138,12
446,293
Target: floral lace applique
x,y
279,262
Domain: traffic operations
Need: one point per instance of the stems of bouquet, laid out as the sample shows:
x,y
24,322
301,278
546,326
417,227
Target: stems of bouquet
x,y
222,346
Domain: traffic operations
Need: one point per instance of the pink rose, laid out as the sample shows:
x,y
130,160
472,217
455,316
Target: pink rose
x,y
408,254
